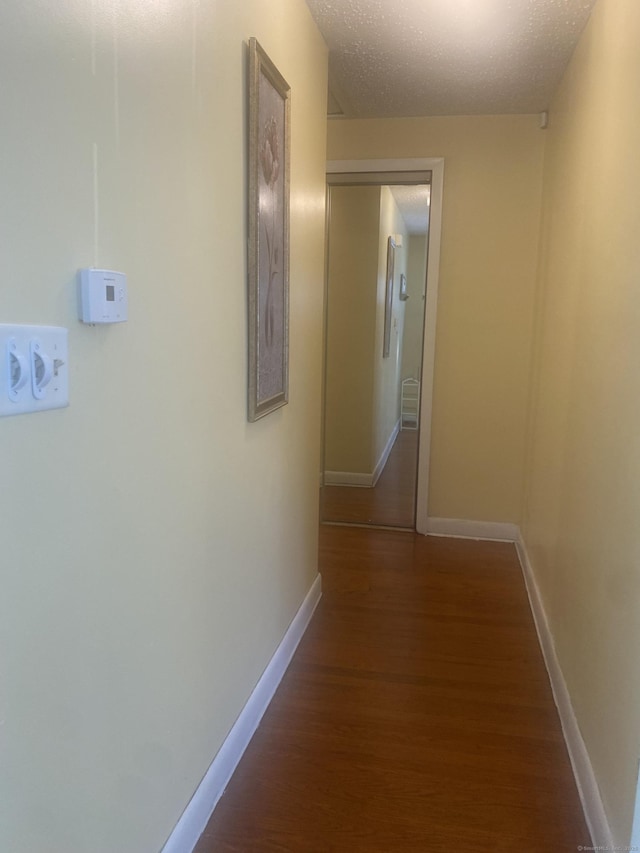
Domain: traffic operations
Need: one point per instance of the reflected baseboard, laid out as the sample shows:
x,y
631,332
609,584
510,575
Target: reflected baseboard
x,y
461,528
384,456
348,478
395,528
362,480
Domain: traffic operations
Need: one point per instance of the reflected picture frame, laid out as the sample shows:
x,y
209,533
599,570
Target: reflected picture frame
x,y
268,235
403,288
388,297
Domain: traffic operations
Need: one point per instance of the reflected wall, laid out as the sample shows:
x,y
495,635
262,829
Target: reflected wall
x,y
369,472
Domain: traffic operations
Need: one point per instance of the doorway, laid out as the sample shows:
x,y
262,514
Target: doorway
x,y
383,255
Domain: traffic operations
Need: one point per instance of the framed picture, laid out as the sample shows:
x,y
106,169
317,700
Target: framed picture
x,y
388,298
268,262
403,287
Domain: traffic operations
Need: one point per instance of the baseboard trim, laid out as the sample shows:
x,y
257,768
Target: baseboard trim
x,y
360,480
635,831
588,790
348,478
200,808
460,528
384,456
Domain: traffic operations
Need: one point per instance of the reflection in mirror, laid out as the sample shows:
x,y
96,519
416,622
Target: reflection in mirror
x,y
377,262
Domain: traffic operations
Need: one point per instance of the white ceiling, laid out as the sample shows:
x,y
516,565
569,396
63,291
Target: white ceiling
x,y
413,203
391,58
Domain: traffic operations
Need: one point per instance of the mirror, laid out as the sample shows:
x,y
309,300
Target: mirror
x,y
376,285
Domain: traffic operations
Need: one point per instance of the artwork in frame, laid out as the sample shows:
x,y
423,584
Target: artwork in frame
x,y
268,262
388,297
403,288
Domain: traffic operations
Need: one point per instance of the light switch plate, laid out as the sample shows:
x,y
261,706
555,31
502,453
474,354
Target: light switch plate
x,y
35,373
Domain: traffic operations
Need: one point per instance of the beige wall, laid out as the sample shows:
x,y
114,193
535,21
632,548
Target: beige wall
x,y
492,185
583,471
155,545
414,307
351,327
386,402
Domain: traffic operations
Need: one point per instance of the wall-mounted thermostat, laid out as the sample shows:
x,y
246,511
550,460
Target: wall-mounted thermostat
x,y
103,296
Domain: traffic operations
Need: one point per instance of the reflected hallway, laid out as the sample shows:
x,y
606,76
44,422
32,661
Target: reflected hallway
x,y
390,503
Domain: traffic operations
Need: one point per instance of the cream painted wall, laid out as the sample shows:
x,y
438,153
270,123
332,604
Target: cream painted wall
x,y
386,394
155,545
414,307
351,327
583,472
493,169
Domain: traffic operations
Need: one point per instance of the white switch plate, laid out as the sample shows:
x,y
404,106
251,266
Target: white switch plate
x,y
34,370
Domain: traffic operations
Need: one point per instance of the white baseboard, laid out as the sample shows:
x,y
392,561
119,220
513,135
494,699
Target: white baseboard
x,y
366,481
384,456
594,813
461,528
200,808
348,478
635,832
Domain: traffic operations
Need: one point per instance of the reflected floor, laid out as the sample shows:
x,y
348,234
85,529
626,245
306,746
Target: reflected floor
x,y
391,502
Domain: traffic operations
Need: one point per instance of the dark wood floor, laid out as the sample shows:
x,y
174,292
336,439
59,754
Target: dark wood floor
x,y
415,716
391,502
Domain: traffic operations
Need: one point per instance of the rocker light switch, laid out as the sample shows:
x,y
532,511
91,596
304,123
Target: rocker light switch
x,y
35,374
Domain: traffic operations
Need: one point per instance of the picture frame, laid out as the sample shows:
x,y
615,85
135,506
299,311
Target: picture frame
x,y
388,298
403,288
268,235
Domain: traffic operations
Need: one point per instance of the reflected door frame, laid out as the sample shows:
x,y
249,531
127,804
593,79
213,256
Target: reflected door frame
x,y
436,166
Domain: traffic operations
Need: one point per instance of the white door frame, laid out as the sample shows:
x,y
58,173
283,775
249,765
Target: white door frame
x,y
436,166
635,832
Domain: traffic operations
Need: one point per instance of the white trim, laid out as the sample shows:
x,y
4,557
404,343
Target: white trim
x,y
461,528
362,524
358,480
436,166
394,164
429,346
635,832
384,456
200,808
593,808
348,478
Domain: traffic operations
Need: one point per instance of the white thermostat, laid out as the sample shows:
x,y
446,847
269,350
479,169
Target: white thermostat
x,y
103,296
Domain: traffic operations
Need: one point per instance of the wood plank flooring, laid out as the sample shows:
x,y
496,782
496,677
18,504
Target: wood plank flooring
x,y
415,716
391,502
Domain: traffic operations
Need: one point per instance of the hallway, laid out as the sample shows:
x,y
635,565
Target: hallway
x,y
415,716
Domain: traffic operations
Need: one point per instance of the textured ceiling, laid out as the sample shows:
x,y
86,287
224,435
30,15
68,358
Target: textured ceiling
x,y
446,57
413,202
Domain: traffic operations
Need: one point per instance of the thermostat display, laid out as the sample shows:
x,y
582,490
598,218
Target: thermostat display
x,y
103,296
